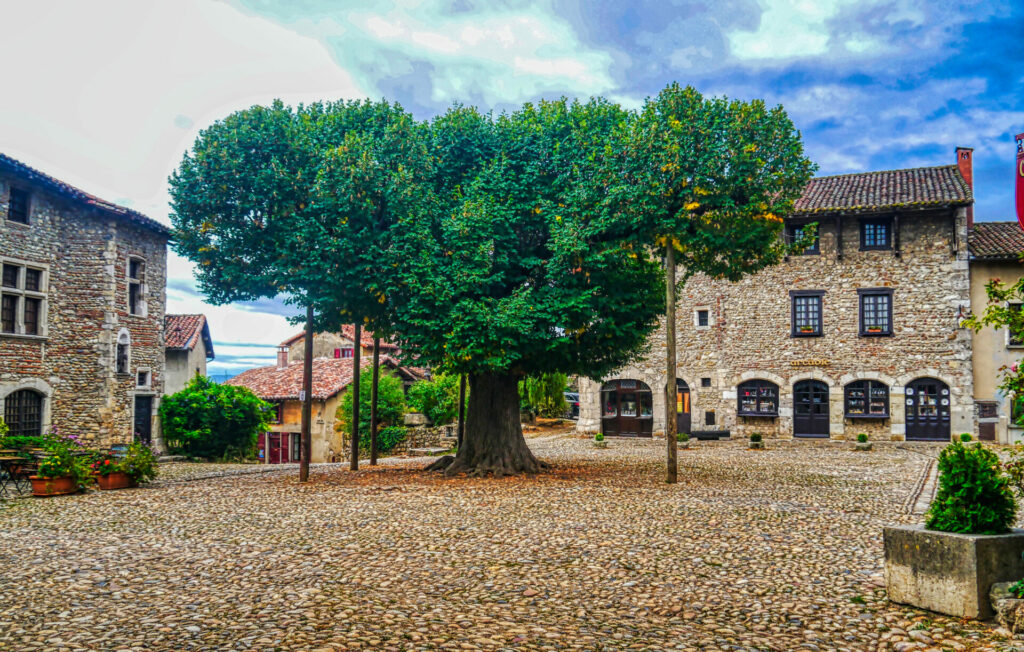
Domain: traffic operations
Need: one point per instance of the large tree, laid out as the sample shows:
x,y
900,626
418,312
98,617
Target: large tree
x,y
708,181
509,271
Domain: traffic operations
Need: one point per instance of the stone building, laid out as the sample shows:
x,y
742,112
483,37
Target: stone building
x,y
281,385
189,346
81,311
860,333
996,250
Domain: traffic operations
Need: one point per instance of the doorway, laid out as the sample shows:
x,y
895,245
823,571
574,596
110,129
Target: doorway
x,y
810,409
682,406
143,422
626,409
927,410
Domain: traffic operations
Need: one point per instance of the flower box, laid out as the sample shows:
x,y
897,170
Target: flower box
x,y
115,480
53,486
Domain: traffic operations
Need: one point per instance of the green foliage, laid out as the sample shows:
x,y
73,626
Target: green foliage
x,y
544,394
210,420
390,407
974,496
510,269
1017,589
1002,312
22,442
387,438
756,437
4,429
599,436
1014,468
65,457
437,398
682,436
139,462
862,438
965,437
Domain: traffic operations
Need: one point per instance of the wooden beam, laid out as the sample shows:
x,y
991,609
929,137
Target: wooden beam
x,y
839,236
896,235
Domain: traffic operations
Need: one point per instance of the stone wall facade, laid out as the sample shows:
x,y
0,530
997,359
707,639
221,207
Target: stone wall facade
x,y
748,335
83,253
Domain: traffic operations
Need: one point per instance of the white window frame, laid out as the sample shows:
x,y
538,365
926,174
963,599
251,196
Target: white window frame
x,y
19,290
696,320
129,282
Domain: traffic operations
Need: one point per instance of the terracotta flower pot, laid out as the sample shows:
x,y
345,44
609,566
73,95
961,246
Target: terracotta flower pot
x,y
53,486
115,480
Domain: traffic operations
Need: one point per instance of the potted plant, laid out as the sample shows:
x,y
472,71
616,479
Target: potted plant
x,y
757,441
807,329
863,444
64,469
966,545
109,474
140,464
965,437
683,439
599,441
873,328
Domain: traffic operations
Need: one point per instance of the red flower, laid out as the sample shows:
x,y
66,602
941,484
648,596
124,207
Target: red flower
x,y
106,462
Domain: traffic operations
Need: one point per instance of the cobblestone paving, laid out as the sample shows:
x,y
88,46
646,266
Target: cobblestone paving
x,y
777,549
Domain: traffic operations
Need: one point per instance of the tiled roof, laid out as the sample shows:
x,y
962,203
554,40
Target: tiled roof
x,y
349,331
996,241
67,190
890,189
330,376
182,332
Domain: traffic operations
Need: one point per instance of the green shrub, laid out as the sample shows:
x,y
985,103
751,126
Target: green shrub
x,y
387,438
437,398
207,419
965,437
599,436
682,436
21,442
4,429
974,496
1014,468
139,462
544,395
390,407
862,437
756,437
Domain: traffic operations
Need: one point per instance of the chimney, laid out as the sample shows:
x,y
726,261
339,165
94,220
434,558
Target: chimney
x,y
965,161
282,357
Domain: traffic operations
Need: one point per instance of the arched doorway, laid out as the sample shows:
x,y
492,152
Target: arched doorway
x,y
682,406
626,409
810,409
23,413
927,410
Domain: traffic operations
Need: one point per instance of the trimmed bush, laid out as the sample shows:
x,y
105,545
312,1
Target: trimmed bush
x,y
682,436
974,495
862,438
599,436
965,437
756,437
210,420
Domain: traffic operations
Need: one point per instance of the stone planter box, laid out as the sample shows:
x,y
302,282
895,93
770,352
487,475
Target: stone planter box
x,y
757,445
862,446
683,444
947,572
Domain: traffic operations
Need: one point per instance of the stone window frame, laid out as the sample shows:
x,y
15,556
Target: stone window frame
x,y
876,221
696,318
149,378
36,384
130,283
863,292
760,385
19,291
868,385
11,189
791,237
794,329
124,338
1010,342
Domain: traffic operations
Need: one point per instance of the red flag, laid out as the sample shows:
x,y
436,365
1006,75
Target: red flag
x,y
1019,174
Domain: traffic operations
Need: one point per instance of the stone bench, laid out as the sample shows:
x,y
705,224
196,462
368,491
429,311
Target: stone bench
x,y
425,452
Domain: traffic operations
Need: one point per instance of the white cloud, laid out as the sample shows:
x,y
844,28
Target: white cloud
x,y
788,28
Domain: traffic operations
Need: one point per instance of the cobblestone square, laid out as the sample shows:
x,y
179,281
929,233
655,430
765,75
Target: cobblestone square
x,y
778,549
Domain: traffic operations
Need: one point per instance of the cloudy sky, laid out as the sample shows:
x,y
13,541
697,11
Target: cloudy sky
x,y
108,95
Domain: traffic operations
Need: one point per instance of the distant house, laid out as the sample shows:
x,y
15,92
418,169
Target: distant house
x,y
333,345
82,286
281,385
188,347
996,249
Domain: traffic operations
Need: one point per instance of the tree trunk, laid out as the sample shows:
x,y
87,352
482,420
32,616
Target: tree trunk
x,y
307,401
373,401
462,409
353,459
670,362
493,442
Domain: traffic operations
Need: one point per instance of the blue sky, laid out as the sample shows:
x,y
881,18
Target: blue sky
x,y
109,94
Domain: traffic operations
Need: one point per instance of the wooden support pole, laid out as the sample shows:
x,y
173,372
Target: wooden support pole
x,y
670,362
373,401
307,401
353,459
462,409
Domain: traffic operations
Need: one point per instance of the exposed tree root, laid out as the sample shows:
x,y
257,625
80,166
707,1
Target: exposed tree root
x,y
441,463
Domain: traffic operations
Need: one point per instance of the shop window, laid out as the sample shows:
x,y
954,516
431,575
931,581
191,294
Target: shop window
x,y
17,206
876,234
866,399
806,313
875,312
758,398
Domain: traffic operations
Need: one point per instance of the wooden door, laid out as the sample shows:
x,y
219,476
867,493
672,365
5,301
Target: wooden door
x,y
274,448
810,409
143,421
927,401
683,420
626,409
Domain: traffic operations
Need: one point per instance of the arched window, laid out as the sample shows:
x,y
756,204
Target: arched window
x,y
23,413
758,398
123,353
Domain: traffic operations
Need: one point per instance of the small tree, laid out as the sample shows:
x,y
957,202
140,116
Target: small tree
x,y
545,394
207,419
974,496
390,408
437,398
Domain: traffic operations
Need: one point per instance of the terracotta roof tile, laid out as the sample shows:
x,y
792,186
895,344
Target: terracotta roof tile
x,y
182,332
330,376
348,331
890,189
996,241
68,190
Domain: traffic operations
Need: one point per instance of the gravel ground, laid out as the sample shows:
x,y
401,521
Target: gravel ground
x,y
777,549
